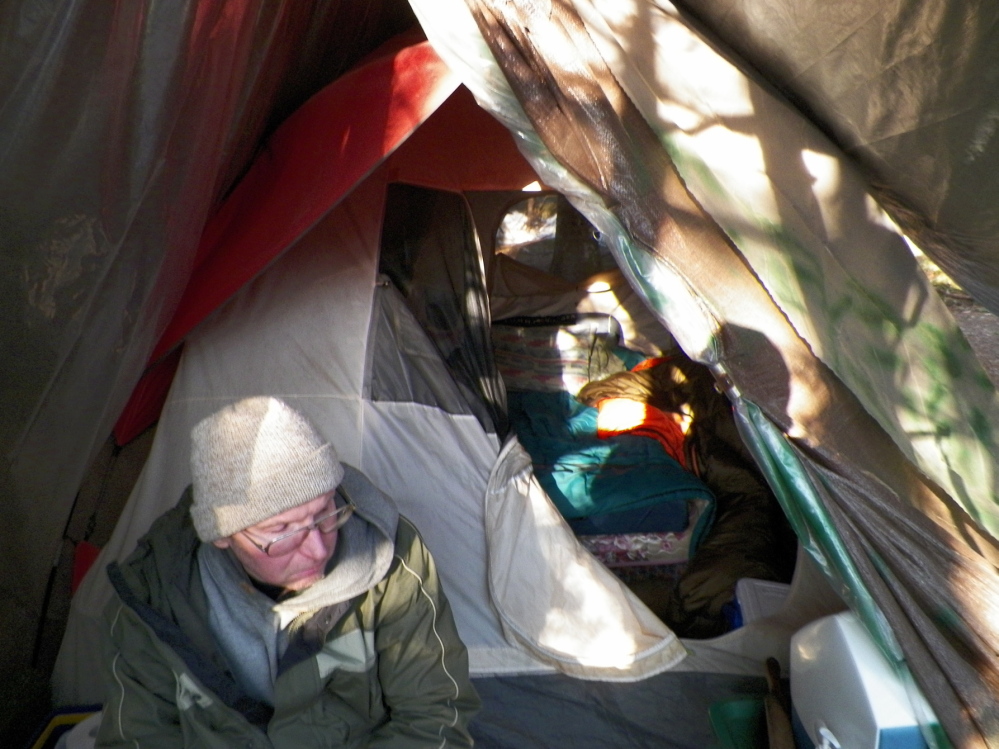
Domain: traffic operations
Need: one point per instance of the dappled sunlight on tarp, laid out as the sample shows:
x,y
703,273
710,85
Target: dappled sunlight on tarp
x,y
798,211
908,89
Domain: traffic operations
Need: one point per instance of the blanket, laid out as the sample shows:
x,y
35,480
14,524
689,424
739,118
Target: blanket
x,y
589,477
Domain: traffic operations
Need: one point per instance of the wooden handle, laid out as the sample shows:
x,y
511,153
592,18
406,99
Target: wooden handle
x,y
778,713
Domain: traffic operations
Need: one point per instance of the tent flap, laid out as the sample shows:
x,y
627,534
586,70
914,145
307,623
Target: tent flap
x,y
553,596
611,161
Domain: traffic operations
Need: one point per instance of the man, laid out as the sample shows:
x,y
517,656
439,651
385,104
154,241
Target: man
x,y
283,603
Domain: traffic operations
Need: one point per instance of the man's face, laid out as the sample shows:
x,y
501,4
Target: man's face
x,y
297,569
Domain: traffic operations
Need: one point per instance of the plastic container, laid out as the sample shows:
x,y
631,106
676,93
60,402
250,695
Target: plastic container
x,y
759,598
845,692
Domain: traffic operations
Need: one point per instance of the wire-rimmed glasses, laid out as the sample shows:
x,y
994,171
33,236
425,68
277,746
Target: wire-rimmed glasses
x,y
286,543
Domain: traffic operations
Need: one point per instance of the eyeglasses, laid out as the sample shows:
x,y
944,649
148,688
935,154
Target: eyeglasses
x,y
288,542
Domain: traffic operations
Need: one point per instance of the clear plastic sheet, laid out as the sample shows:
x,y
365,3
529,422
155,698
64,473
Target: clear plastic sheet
x,y
121,126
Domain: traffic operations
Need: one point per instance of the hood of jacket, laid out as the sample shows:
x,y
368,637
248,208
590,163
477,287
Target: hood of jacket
x,y
161,577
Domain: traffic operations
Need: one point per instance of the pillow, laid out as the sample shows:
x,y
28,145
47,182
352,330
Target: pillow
x,y
560,353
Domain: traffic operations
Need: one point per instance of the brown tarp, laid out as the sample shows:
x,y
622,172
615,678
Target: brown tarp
x,y
908,89
589,125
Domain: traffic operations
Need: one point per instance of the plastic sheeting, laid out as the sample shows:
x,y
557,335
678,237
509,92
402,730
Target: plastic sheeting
x,y
799,213
591,140
121,125
908,89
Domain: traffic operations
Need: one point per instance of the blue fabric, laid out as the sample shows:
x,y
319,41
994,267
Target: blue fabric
x,y
659,517
630,358
589,477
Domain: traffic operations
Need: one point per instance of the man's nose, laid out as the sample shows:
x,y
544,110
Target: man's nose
x,y
314,546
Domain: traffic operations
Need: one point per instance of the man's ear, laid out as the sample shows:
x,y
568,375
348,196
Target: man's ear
x,y
222,543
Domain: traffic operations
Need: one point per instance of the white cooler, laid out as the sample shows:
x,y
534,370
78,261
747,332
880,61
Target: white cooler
x,y
845,693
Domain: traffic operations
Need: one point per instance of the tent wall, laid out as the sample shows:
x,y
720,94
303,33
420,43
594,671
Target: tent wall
x,y
301,332
311,330
299,177
225,371
287,190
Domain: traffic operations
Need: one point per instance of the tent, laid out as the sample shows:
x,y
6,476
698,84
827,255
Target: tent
x,y
742,224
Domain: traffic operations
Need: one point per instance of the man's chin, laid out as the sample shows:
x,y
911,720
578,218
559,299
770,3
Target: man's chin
x,y
303,582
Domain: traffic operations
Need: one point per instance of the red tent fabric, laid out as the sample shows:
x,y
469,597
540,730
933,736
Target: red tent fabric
x,y
315,159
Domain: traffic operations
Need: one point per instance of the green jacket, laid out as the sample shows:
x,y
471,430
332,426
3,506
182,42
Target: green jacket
x,y
386,668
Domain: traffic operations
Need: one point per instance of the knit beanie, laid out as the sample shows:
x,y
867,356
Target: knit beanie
x,y
253,460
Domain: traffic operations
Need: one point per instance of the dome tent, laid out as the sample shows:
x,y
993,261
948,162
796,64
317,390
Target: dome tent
x,y
845,455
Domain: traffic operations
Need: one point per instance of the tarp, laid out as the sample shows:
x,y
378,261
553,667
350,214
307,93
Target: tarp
x,y
906,88
122,127
810,340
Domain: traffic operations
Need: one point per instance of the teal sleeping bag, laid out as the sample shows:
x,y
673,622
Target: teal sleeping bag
x,y
587,476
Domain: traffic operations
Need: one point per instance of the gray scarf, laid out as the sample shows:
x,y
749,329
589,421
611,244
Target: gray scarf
x,y
246,627
252,631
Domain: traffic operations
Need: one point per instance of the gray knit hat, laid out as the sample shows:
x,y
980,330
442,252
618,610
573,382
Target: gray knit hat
x,y
253,460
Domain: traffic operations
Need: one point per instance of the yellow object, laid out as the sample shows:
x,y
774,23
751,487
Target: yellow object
x,y
59,721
